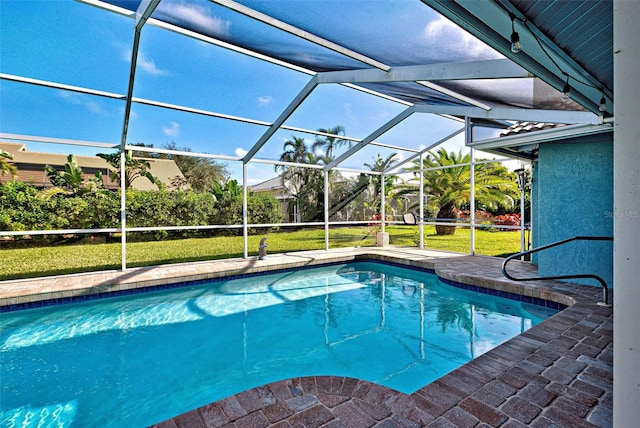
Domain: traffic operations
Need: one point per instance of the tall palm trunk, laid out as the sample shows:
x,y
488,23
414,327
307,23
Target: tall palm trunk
x,y
447,211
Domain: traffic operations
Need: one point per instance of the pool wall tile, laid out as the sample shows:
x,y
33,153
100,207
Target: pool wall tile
x,y
174,276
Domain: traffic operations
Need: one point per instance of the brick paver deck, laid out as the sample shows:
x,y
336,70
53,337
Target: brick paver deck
x,y
556,374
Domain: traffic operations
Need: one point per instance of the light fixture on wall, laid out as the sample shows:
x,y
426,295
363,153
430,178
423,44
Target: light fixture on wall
x,y
603,104
566,90
521,177
516,46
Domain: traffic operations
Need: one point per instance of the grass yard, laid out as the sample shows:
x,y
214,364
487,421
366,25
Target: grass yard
x,y
37,261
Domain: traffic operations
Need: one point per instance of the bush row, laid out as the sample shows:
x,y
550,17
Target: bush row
x,y
488,218
24,207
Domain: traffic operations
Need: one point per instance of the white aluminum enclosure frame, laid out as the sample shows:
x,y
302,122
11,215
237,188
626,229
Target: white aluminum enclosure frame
x,y
425,75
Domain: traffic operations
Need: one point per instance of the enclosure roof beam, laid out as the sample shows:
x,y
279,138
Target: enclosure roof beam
x,y
532,115
266,19
436,144
454,94
62,86
66,141
291,164
115,96
226,45
145,9
181,153
489,69
288,111
378,132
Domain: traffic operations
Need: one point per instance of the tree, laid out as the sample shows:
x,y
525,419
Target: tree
x,y
6,166
311,195
199,173
134,168
328,144
450,188
294,178
381,165
307,184
72,178
294,150
230,189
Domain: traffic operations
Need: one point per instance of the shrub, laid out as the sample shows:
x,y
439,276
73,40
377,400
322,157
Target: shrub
x,y
24,207
507,220
263,208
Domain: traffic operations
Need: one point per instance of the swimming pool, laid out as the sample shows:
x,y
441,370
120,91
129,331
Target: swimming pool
x,y
137,360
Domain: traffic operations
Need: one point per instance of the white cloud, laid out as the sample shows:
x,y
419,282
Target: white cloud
x,y
147,64
381,115
173,130
348,112
454,41
144,63
266,100
197,16
81,100
240,152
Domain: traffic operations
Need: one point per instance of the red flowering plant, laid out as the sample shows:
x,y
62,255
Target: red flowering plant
x,y
483,217
507,220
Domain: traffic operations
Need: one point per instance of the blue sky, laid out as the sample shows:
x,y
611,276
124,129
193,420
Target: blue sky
x,y
76,44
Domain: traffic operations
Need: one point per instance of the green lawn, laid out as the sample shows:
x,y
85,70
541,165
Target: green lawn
x,y
36,261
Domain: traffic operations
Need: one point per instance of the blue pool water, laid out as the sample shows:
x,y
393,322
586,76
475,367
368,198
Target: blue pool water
x,y
136,360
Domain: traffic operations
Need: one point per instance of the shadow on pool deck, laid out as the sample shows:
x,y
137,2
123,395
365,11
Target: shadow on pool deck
x,y
558,373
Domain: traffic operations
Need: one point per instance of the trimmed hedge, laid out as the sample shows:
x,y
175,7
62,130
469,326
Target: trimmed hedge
x,y
24,207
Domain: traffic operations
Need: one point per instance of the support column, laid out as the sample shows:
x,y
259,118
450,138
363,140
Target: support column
x,y
245,217
326,210
123,209
626,223
468,137
421,219
383,202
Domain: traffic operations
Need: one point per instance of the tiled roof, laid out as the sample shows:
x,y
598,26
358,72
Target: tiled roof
x,y
274,183
522,127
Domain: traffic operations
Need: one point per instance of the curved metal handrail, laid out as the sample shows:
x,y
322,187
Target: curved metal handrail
x,y
605,290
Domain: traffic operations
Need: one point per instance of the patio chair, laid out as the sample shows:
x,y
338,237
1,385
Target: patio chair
x,y
410,218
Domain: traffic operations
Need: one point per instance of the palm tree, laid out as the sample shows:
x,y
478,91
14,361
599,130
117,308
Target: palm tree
x,y
6,166
449,188
305,184
72,178
134,168
294,150
328,144
381,165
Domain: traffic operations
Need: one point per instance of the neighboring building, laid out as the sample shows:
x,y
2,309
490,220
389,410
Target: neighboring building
x,y
340,210
278,189
31,168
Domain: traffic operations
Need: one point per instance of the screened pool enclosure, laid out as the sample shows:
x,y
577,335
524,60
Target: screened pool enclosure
x,y
379,86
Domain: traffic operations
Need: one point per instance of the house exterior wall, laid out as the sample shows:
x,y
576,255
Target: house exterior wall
x,y
573,196
31,168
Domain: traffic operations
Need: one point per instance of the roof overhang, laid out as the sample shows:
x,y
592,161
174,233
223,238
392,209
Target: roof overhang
x,y
524,142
